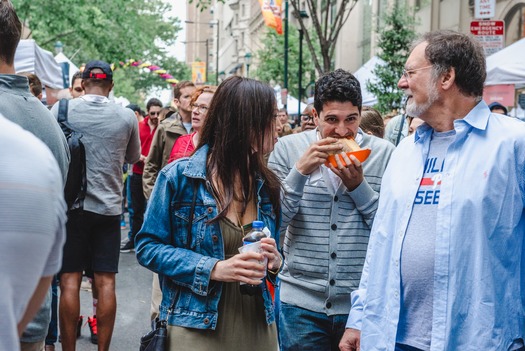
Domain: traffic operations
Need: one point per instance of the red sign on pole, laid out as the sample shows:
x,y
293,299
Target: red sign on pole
x,y
503,93
491,35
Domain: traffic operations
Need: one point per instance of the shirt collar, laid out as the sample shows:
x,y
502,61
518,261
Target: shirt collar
x,y
196,167
477,118
15,82
99,99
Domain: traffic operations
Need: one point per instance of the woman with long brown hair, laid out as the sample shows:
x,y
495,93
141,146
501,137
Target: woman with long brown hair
x,y
200,209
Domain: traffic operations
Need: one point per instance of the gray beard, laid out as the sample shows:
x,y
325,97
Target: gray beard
x,y
414,110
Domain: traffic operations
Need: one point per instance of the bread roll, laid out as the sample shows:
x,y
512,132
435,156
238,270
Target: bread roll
x,y
349,145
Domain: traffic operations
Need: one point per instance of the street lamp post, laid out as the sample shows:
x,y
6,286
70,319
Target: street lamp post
x,y
285,78
59,47
248,62
216,23
302,14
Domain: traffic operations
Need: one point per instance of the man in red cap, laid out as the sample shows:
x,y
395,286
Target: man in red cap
x,y
110,137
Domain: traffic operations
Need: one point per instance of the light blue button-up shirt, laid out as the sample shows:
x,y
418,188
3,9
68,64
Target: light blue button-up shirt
x,y
479,272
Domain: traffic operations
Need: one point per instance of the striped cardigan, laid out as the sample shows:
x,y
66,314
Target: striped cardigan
x,y
325,233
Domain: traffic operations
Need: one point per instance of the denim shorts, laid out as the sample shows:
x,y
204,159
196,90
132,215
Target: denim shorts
x,y
304,330
92,243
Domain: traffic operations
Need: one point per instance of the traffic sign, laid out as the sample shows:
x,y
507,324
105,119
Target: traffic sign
x,y
484,8
491,35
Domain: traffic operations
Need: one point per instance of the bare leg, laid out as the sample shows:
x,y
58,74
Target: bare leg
x,y
69,308
106,309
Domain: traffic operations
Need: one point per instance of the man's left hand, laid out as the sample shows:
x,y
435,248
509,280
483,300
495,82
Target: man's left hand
x,y
351,174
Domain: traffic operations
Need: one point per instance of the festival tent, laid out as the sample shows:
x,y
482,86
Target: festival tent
x,y
30,57
365,74
61,58
292,104
507,66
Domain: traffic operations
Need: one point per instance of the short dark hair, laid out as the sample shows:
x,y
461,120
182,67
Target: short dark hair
x,y
153,102
371,121
76,76
10,31
340,86
282,109
180,85
35,85
448,49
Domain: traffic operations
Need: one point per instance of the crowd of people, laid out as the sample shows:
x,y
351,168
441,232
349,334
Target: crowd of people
x,y
419,247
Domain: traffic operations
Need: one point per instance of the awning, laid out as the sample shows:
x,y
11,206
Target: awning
x,y
30,57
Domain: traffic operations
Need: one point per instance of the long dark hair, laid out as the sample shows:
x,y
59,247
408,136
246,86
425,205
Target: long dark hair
x,y
240,117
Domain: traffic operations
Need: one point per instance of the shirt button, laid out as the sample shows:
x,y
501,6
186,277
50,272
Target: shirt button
x,y
215,238
336,199
334,226
396,293
333,255
210,209
328,305
332,282
397,263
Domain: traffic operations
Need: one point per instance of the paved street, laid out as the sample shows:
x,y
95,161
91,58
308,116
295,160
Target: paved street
x,y
133,299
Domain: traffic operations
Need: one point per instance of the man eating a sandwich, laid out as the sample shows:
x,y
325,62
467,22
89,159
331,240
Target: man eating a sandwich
x,y
327,212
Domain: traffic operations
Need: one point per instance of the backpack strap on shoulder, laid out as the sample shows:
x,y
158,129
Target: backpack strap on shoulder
x,y
63,106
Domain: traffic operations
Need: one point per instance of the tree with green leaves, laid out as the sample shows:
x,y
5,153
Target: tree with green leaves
x,y
271,61
395,37
112,31
327,19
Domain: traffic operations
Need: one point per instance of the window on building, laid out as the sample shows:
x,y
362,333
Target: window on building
x,y
243,10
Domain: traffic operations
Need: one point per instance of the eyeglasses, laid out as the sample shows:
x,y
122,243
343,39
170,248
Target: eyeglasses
x,y
306,118
200,108
408,72
154,113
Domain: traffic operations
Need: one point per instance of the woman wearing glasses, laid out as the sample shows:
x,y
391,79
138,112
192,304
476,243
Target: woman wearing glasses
x,y
222,187
200,103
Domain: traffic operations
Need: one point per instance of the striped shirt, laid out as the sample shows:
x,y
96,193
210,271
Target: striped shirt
x,y
325,231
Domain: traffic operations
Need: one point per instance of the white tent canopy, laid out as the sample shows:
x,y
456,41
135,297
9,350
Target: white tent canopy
x,y
60,57
507,66
29,57
292,104
365,74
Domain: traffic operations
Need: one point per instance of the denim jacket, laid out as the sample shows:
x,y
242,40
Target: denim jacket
x,y
185,275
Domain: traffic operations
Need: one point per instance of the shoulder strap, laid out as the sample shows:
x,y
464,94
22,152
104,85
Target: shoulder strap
x,y
62,110
401,125
192,212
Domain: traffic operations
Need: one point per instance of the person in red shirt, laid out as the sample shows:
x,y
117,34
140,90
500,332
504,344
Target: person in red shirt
x,y
200,102
147,128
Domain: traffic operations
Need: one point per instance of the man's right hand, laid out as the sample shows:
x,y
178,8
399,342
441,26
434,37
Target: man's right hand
x,y
316,155
351,340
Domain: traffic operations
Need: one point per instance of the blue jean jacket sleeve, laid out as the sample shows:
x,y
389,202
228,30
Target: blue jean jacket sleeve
x,y
159,244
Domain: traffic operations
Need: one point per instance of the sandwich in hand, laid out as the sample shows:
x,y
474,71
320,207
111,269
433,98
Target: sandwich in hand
x,y
350,147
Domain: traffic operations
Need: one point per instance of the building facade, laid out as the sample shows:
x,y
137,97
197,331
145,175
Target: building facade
x,y
200,36
357,42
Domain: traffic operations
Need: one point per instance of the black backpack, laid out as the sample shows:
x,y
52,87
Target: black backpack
x,y
76,183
